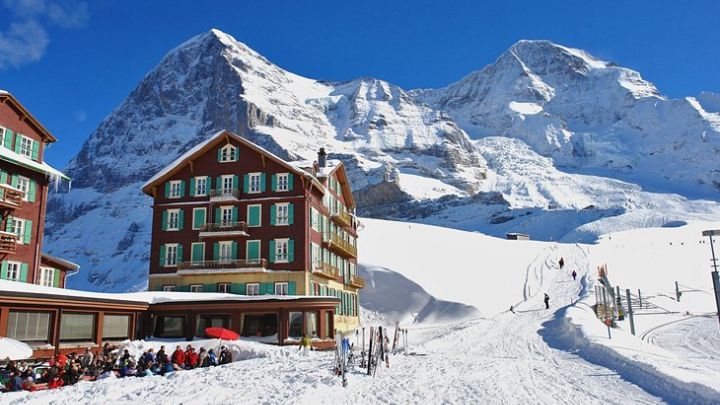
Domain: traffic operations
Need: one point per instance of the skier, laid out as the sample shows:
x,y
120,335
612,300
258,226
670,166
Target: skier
x,y
305,345
574,274
512,309
562,263
547,301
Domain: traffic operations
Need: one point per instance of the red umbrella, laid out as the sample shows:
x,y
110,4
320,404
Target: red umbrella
x,y
222,333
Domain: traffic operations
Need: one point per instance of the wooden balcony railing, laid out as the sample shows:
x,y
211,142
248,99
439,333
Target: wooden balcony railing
x,y
10,197
239,228
224,194
8,242
341,246
237,264
357,281
342,219
327,271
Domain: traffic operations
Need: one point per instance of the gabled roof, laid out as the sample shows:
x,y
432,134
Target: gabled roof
x,y
201,148
332,165
59,262
22,160
7,97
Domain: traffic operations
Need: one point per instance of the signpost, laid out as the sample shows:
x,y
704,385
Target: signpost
x,y
715,278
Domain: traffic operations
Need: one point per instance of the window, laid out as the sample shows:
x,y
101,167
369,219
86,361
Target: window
x,y
253,289
281,250
254,182
200,186
2,136
311,324
170,327
316,255
315,218
282,214
13,271
116,327
252,249
296,324
226,216
228,184
23,183
171,255
18,228
224,288
227,153
199,215
173,221
77,327
196,288
281,288
26,146
210,321
29,326
282,182
254,215
197,254
47,276
225,252
175,189
169,288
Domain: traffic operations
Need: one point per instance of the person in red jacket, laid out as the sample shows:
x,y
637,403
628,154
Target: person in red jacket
x,y
178,358
191,357
55,382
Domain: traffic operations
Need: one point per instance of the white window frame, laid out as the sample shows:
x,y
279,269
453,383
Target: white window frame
x,y
19,230
47,276
247,215
252,289
198,181
3,132
225,288
223,180
286,218
226,209
171,247
284,182
176,213
281,255
193,217
17,266
316,252
254,180
174,189
170,287
196,288
23,183
225,153
221,258
283,288
192,245
25,149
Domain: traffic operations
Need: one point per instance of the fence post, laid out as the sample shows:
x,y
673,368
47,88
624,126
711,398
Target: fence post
x,y
630,312
677,291
640,298
605,304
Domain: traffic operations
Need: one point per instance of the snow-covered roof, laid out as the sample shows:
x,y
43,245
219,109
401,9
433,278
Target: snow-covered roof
x,y
22,160
330,165
3,92
62,262
147,297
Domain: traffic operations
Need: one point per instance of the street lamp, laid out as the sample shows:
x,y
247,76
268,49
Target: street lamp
x,y
715,278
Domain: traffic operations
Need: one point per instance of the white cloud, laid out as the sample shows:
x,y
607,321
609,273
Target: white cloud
x,y
80,115
26,38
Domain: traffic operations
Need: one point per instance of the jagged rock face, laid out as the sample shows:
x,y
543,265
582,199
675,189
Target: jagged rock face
x,y
562,106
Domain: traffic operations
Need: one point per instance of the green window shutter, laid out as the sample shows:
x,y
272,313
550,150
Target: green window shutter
x,y
8,138
237,288
209,287
164,223
253,250
234,250
56,278
198,218
262,182
183,288
208,185
273,182
197,253
235,181
290,181
28,232
246,183
218,183
3,177
219,155
31,191
269,288
181,219
3,270
254,216
8,224
179,254
291,250
35,150
182,188
23,272
271,252
291,213
273,214
192,186
216,251
218,215
14,180
18,142
167,189
162,255
291,288
234,214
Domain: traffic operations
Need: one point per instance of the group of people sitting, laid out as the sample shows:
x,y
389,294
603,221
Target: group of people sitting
x,y
68,370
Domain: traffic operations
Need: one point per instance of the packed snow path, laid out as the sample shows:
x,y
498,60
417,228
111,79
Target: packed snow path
x,y
506,359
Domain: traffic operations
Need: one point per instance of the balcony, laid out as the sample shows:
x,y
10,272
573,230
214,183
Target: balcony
x,y
327,271
342,219
8,241
223,229
10,197
232,194
340,246
357,282
223,266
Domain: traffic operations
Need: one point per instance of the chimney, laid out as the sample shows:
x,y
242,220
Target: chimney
x,y
322,162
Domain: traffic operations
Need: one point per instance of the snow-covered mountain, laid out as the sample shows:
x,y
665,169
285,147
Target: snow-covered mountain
x,y
543,132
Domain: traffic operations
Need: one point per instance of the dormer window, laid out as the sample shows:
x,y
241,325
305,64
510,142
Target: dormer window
x,y
227,153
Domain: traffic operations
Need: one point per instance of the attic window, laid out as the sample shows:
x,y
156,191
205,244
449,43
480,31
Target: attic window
x,y
227,153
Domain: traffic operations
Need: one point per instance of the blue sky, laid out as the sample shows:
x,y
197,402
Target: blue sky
x,y
72,62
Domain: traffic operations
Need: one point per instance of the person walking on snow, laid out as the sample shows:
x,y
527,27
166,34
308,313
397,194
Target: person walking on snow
x,y
547,301
305,345
574,274
561,263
